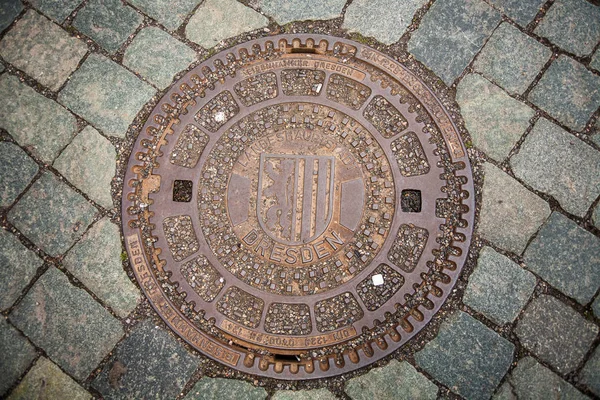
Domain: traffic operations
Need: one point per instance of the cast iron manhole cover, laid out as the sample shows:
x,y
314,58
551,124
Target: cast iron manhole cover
x,y
298,206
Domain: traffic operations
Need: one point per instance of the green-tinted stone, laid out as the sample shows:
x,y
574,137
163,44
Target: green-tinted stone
x,y
595,63
108,22
450,35
521,11
285,11
96,262
72,328
52,215
46,381
106,94
510,214
467,357
373,18
553,161
89,164
566,256
498,288
495,120
316,394
590,374
382,383
18,169
169,13
225,389
34,121
555,333
596,216
596,306
573,25
42,49
17,355
568,92
18,265
58,10
158,56
216,20
149,363
9,9
512,59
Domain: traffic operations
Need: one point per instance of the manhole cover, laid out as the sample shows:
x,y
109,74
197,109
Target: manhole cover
x,y
298,206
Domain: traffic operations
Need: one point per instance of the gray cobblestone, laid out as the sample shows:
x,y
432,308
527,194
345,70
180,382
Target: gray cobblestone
x,y
285,11
18,169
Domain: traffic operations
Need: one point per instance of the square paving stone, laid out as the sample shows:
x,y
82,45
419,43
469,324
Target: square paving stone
x,y
89,164
553,161
52,215
9,9
520,11
169,13
42,49
106,94
34,121
498,288
495,120
148,364
216,20
17,355
108,22
19,266
590,374
18,169
72,328
219,388
58,10
555,333
382,383
510,214
96,262
512,59
467,357
285,11
157,56
46,381
315,394
573,25
373,18
568,92
567,257
450,35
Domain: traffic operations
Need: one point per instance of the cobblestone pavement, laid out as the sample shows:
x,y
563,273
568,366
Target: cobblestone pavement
x,y
74,78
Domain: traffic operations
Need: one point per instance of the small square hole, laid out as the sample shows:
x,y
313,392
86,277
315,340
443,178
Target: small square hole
x,y
182,191
411,200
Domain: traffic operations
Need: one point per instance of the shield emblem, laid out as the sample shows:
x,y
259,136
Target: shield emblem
x,y
295,196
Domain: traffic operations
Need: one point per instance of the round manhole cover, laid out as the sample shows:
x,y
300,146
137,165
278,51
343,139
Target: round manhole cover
x,y
298,206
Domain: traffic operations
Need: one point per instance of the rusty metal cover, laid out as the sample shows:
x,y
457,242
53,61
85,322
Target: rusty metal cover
x,y
298,206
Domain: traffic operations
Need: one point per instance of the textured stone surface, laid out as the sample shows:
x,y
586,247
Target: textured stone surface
x,y
512,59
96,262
89,164
18,265
46,381
216,20
394,381
316,394
169,13
590,374
450,34
573,25
9,9
467,357
284,11
595,63
373,18
555,333
596,216
553,161
40,214
149,363
596,306
18,169
568,92
34,121
157,56
495,120
510,214
108,22
520,11
566,256
42,49
106,94
58,10
219,388
67,322
498,288
17,355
